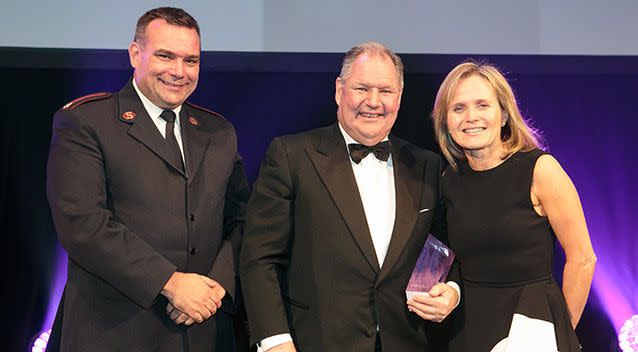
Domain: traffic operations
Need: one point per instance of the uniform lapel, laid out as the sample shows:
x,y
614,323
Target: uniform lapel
x,y
408,183
194,141
131,111
331,161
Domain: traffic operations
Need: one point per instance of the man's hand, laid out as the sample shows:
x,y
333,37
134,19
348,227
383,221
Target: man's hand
x,y
284,347
192,294
436,305
218,293
177,316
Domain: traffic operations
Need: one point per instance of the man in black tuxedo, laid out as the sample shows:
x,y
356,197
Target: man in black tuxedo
x,y
148,196
331,239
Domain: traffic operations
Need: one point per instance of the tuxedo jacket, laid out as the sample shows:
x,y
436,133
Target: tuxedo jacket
x,y
308,264
128,219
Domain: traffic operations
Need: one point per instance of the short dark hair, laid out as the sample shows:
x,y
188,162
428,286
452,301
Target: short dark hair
x,y
172,15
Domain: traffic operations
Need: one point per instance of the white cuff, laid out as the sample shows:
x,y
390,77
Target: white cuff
x,y
458,290
272,341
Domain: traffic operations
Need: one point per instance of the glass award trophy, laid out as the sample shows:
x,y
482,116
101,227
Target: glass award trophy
x,y
432,267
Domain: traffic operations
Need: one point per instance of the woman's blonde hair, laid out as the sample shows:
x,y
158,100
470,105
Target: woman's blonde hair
x,y
516,135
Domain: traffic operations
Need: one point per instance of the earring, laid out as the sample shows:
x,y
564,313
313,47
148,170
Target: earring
x,y
503,123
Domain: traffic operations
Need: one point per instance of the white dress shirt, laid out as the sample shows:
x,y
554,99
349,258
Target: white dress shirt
x,y
375,181
154,112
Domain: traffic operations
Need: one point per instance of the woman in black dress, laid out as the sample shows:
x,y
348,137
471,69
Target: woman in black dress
x,y
506,203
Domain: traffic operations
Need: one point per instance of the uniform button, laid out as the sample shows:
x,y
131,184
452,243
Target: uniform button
x,y
369,333
192,217
193,251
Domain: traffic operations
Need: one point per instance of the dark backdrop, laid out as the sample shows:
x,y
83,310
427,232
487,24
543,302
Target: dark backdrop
x,y
584,105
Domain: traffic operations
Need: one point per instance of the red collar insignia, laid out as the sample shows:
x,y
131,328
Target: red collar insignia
x,y
129,115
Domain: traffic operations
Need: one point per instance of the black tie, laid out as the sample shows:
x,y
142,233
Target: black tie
x,y
359,151
169,117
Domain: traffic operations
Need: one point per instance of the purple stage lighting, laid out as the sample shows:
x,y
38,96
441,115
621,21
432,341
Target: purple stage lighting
x,y
40,343
57,288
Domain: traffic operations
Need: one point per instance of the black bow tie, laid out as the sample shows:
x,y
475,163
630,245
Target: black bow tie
x,y
359,151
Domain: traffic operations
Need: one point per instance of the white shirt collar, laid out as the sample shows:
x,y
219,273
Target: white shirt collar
x,y
153,110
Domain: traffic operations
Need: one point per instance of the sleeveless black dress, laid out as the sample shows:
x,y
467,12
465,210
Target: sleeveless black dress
x,y
505,252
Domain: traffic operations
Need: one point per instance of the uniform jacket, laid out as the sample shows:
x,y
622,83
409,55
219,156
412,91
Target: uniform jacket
x,y
128,219
308,264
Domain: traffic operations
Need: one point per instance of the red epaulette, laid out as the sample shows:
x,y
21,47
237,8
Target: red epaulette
x,y
85,99
205,110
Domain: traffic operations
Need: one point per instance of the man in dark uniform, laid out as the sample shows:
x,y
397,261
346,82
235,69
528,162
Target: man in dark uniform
x,y
148,196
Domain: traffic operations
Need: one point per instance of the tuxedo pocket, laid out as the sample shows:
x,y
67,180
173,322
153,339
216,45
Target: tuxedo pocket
x,y
426,213
424,221
295,303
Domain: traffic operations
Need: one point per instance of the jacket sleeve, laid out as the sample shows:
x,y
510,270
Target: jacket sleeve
x,y
265,249
87,229
439,229
224,269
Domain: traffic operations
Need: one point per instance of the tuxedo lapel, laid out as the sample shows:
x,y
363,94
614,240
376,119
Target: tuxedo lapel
x,y
195,143
132,112
408,184
330,159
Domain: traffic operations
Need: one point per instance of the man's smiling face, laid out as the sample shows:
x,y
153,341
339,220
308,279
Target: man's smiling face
x,y
369,98
166,63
